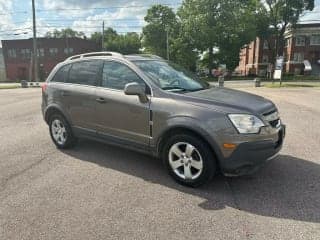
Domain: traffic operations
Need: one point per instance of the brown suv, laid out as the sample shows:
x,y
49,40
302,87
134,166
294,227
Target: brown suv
x,y
147,104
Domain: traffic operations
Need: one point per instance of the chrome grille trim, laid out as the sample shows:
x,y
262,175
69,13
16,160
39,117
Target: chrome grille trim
x,y
273,118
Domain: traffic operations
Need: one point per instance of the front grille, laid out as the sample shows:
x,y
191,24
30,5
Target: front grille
x,y
275,123
272,117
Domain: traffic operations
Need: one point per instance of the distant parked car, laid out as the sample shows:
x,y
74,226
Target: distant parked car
x,y
147,104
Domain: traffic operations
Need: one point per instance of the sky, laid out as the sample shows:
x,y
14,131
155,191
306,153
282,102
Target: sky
x,y
81,15
313,16
84,15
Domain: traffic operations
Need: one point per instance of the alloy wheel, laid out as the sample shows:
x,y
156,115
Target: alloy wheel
x,y
185,160
59,131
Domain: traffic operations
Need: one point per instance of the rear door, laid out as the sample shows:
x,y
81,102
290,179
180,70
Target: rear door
x,y
122,117
79,94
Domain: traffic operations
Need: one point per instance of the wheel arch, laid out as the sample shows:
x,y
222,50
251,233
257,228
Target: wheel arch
x,y
54,109
174,130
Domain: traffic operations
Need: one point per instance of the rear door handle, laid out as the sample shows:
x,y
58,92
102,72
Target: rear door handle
x,y
101,100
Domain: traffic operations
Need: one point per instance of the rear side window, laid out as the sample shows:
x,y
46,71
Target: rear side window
x,y
85,73
62,74
117,75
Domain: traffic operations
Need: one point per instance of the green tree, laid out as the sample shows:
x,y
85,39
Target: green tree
x,y
67,32
128,43
161,22
218,24
183,53
275,18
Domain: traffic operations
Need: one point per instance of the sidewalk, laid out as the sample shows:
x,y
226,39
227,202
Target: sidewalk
x,y
251,84
9,85
18,85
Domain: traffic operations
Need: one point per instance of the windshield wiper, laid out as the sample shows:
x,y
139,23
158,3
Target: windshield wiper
x,y
180,89
175,89
196,89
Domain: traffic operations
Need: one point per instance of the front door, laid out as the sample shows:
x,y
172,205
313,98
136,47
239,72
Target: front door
x,y
121,117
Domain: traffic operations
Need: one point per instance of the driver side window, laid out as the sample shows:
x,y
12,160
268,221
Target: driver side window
x,y
116,75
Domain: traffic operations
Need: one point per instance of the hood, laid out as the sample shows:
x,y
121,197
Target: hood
x,y
235,99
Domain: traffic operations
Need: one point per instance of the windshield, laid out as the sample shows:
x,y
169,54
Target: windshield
x,y
171,77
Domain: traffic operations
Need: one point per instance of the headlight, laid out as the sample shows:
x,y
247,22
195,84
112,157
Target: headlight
x,y
246,123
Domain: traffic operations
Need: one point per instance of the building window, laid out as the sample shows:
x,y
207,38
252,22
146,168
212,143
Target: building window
x,y
68,51
12,53
265,59
315,40
26,53
53,51
298,57
265,45
40,52
300,41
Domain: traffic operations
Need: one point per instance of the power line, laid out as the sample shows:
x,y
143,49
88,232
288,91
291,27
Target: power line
x,y
119,32
96,26
13,13
86,9
14,34
89,20
17,29
104,8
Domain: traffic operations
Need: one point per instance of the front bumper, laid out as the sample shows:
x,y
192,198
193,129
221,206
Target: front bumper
x,y
250,156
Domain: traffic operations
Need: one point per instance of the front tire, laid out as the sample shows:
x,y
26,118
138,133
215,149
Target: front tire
x,y
189,160
61,132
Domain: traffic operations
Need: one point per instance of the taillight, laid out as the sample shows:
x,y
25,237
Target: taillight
x,y
44,87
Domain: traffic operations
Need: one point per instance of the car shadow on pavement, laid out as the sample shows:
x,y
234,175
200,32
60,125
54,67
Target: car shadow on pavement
x,y
286,187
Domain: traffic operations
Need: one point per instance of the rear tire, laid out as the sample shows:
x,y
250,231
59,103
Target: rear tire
x,y
189,160
61,132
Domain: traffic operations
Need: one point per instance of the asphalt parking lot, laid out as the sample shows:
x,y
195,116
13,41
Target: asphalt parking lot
x,y
100,192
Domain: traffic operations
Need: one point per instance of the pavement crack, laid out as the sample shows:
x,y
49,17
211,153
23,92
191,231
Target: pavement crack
x,y
15,175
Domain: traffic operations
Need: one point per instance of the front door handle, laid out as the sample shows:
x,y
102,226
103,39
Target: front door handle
x,y
101,100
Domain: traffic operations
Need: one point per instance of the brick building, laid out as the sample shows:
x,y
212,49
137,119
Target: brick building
x,y
18,61
302,47
2,68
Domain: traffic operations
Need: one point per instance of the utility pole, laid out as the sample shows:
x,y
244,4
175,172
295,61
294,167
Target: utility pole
x,y
35,49
67,44
167,30
102,39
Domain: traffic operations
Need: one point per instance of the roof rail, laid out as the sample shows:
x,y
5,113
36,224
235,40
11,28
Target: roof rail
x,y
94,54
155,56
147,55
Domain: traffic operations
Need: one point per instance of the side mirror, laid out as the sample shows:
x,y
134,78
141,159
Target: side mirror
x,y
136,89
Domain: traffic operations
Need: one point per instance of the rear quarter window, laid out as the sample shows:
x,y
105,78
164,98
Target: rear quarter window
x,y
62,74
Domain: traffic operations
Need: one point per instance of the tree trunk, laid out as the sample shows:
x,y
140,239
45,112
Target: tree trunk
x,y
281,40
210,64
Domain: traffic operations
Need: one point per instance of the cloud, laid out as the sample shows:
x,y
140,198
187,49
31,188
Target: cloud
x,y
122,15
112,5
123,20
312,16
6,20
6,25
